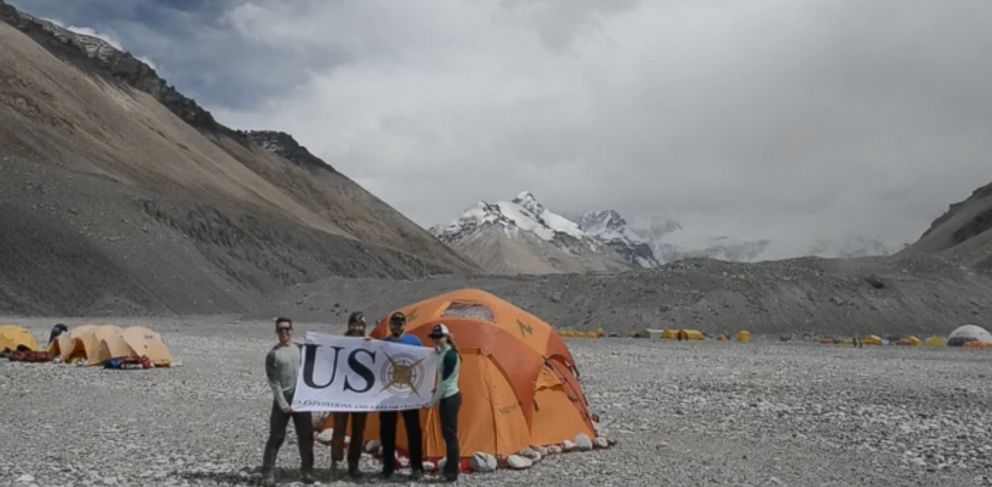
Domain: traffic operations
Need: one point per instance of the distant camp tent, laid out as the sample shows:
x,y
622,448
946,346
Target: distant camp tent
x,y
87,343
911,341
722,338
519,381
670,334
744,336
14,336
66,346
133,342
872,340
936,342
691,335
968,333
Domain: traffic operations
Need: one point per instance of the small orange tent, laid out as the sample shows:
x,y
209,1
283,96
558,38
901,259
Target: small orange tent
x,y
89,342
519,382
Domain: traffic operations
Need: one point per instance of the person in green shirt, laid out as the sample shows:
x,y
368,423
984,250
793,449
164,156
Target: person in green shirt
x,y
281,366
448,396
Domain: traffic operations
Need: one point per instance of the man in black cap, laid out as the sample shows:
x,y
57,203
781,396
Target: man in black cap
x,y
411,417
356,328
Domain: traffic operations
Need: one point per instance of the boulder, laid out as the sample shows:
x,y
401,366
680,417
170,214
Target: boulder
x,y
483,462
583,442
568,446
602,442
325,436
372,446
518,462
429,466
554,450
531,454
542,451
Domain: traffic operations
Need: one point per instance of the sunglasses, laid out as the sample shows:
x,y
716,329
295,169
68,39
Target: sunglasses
x,y
283,329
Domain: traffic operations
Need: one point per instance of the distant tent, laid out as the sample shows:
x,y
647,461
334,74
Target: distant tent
x,y
968,333
744,336
909,341
65,345
872,340
936,342
89,342
14,336
691,335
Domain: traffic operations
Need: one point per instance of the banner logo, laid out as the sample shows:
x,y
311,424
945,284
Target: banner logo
x,y
402,373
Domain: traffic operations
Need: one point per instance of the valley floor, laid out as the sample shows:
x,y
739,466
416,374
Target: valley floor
x,y
758,414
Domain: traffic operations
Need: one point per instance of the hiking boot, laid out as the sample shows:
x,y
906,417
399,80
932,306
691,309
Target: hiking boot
x,y
386,475
307,478
416,475
451,477
268,480
354,474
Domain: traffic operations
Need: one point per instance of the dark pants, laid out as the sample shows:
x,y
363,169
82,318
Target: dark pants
x,y
277,434
449,430
357,433
411,419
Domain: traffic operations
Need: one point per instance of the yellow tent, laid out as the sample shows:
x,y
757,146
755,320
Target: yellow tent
x,y
133,342
147,343
744,336
600,332
67,346
936,342
722,338
669,334
13,336
692,334
909,341
90,340
872,340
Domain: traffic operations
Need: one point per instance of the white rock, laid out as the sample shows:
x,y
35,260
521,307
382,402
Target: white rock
x,y
26,478
568,446
325,436
554,450
602,442
373,446
583,442
542,450
531,454
483,462
404,462
429,466
518,462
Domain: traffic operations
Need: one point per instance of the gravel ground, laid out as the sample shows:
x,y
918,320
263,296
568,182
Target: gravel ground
x,y
758,414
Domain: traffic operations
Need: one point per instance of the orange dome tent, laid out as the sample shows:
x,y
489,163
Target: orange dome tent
x,y
519,383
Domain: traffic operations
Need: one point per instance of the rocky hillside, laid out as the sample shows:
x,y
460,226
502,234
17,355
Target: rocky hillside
x,y
811,296
963,233
119,194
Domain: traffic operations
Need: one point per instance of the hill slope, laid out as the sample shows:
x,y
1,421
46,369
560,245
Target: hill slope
x,y
964,232
121,195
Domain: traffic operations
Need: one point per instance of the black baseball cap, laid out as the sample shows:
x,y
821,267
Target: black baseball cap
x,y
356,317
398,316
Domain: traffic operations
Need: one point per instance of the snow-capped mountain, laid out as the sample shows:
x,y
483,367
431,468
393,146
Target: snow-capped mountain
x,y
612,229
523,237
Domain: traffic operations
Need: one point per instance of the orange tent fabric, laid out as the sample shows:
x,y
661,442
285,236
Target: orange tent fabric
x,y
518,379
90,340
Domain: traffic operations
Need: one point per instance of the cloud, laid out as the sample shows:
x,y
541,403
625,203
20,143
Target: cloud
x,y
778,119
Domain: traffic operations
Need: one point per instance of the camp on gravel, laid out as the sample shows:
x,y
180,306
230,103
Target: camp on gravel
x,y
495,243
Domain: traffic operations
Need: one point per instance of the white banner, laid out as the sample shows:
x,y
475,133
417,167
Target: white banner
x,y
339,373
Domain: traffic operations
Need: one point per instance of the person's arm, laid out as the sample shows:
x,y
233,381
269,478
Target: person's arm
x,y
272,374
448,364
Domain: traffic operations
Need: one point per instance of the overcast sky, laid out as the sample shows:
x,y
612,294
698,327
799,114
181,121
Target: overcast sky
x,y
782,119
